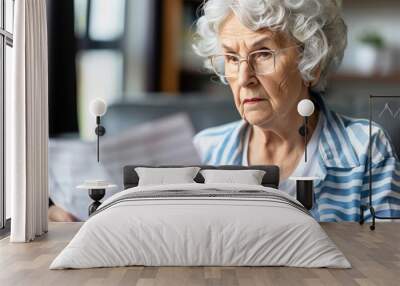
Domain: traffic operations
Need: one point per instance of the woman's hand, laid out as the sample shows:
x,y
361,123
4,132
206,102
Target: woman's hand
x,y
60,215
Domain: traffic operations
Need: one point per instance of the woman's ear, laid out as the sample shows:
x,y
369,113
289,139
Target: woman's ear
x,y
317,75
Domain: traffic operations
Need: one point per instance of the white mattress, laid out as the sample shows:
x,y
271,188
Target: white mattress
x,y
189,231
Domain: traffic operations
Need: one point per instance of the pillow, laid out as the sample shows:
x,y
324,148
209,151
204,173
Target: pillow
x,y
162,176
248,177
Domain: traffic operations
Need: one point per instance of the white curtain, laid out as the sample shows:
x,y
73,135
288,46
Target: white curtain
x,y
27,123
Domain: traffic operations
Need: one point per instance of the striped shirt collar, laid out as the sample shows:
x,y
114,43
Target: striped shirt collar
x,y
335,145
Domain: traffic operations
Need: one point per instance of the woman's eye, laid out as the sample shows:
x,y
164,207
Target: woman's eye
x,y
262,56
231,59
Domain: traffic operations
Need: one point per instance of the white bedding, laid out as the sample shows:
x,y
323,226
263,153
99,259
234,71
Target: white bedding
x,y
188,230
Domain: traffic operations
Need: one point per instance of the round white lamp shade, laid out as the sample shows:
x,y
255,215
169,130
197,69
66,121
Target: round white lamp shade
x,y
98,107
305,107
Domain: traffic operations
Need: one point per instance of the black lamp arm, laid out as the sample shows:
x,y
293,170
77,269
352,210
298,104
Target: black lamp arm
x,y
100,131
303,130
305,137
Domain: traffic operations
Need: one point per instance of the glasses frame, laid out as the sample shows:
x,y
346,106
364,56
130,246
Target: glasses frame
x,y
247,59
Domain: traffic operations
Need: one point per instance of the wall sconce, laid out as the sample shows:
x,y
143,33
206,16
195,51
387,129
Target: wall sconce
x,y
305,108
98,108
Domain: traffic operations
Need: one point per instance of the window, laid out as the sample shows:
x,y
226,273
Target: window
x,y
6,43
99,28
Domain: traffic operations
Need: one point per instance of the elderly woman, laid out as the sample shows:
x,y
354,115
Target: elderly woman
x,y
273,54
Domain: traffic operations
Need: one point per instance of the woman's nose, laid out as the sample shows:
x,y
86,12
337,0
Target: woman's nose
x,y
246,76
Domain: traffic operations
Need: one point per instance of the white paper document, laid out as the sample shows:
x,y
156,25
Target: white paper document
x,y
163,141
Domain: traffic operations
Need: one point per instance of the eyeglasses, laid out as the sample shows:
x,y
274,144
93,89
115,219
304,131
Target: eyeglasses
x,y
260,62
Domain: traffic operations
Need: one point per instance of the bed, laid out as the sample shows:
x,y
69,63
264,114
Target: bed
x,y
201,224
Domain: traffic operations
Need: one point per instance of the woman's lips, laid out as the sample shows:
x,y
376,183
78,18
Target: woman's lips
x,y
253,100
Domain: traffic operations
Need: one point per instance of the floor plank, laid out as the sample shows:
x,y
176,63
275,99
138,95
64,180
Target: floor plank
x,y
375,257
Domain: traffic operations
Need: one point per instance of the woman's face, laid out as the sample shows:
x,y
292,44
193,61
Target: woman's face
x,y
274,95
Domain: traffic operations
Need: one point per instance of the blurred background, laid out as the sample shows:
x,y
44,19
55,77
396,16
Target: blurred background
x,y
137,55
127,50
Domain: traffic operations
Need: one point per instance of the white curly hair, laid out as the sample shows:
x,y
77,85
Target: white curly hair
x,y
316,24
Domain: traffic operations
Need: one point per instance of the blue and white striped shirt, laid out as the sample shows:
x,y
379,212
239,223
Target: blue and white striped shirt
x,y
342,164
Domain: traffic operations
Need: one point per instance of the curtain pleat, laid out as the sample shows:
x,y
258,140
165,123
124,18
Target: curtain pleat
x,y
15,129
45,108
29,123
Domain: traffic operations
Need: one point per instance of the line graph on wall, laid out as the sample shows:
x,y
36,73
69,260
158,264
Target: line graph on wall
x,y
385,111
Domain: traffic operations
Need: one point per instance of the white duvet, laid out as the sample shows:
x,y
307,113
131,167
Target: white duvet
x,y
207,230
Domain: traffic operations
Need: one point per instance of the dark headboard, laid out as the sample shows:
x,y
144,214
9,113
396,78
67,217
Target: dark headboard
x,y
270,179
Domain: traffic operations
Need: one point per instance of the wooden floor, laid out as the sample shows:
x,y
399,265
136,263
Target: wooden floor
x,y
375,257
